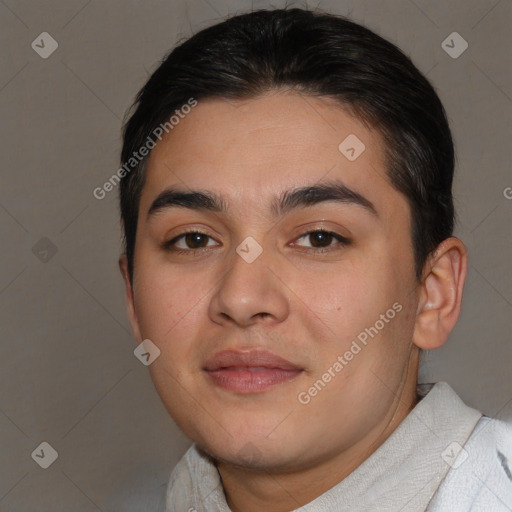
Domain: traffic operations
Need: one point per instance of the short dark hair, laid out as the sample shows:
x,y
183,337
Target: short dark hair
x,y
319,54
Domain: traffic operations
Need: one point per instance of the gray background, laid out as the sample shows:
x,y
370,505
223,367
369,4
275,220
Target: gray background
x,y
68,375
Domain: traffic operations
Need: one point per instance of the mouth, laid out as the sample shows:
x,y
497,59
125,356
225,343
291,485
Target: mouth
x,y
250,371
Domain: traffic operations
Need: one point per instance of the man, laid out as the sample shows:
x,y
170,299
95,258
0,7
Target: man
x,y
288,221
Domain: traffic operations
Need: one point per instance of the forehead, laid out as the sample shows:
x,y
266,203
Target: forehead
x,y
248,149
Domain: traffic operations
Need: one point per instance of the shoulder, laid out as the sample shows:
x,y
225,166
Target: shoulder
x,y
480,477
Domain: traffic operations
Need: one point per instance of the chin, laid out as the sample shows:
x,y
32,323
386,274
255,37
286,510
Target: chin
x,y
251,456
252,451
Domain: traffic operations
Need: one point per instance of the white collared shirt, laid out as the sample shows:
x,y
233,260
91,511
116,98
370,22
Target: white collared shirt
x,y
443,457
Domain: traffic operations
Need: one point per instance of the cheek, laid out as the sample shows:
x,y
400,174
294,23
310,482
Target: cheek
x,y
347,299
357,306
339,305
164,302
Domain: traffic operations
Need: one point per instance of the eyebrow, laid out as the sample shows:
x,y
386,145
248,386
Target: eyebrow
x,y
289,200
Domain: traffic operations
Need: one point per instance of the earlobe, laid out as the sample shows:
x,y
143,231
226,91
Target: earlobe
x,y
441,294
130,302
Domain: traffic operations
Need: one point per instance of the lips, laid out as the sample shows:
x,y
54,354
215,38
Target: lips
x,y
249,371
248,359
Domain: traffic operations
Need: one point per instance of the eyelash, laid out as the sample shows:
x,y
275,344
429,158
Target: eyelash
x,y
168,246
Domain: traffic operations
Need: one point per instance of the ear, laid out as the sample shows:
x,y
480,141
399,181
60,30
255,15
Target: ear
x,y
130,303
440,294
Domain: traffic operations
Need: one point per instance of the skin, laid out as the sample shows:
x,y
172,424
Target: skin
x,y
272,452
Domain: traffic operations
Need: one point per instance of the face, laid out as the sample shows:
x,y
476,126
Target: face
x,y
284,317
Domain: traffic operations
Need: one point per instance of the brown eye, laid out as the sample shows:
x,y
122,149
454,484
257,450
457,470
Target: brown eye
x,y
188,242
195,240
321,239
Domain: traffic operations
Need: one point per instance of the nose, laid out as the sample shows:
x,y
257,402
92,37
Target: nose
x,y
249,292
